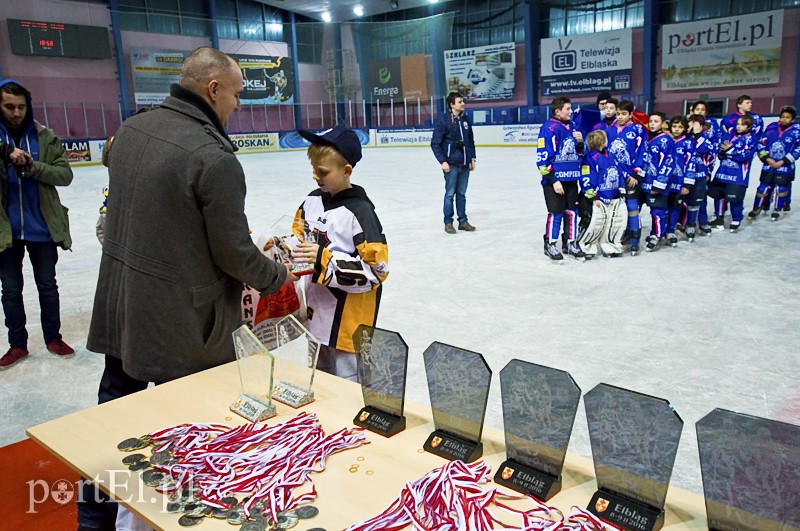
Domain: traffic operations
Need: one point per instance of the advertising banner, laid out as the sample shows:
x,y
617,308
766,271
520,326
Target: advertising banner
x,y
587,64
722,52
411,136
399,78
481,73
153,71
77,151
255,142
267,79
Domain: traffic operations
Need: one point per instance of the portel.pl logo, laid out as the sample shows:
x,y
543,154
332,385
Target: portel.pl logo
x,y
726,32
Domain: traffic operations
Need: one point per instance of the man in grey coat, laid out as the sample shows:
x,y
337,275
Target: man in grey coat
x,y
177,247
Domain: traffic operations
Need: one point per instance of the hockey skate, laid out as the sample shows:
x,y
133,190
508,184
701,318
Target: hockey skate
x,y
753,214
575,250
787,207
775,216
672,240
735,226
705,230
652,243
634,250
691,233
718,223
551,251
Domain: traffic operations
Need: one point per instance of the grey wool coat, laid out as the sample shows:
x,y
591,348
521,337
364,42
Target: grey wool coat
x,y
177,245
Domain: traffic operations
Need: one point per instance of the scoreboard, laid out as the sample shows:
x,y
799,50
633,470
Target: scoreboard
x,y
54,39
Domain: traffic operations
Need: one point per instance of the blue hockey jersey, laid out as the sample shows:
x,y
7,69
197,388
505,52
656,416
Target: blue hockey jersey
x,y
780,144
683,158
659,162
628,144
705,154
734,164
601,177
728,125
558,154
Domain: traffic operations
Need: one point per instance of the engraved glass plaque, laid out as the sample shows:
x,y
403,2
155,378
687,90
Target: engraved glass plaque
x,y
286,236
539,407
296,352
751,472
382,365
255,364
458,384
634,440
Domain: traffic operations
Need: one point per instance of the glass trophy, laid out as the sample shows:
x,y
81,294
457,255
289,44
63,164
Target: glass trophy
x,y
255,364
751,472
285,238
539,407
458,384
382,365
296,352
634,440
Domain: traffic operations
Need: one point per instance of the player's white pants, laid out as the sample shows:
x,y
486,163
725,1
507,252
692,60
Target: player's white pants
x,y
614,228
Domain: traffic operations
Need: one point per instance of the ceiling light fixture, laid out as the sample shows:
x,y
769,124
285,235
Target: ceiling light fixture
x,y
358,9
326,16
393,4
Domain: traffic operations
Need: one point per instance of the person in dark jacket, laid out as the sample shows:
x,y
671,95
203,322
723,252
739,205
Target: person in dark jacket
x,y
453,146
32,220
176,248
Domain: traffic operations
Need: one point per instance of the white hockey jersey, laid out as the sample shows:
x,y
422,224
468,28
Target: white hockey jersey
x,y
353,262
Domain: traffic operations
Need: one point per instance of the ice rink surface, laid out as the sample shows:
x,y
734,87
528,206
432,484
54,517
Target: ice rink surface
x,y
710,324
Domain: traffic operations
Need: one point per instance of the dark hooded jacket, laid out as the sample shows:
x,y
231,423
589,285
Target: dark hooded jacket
x,y
32,209
177,245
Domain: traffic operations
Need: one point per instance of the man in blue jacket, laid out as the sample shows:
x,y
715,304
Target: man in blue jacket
x,y
453,146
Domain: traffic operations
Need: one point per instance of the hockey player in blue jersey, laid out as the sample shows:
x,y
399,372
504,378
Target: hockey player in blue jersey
x,y
681,180
603,185
627,141
744,104
700,167
660,147
708,148
779,148
730,182
559,153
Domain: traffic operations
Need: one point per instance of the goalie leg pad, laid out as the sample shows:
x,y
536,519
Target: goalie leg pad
x,y
595,229
613,230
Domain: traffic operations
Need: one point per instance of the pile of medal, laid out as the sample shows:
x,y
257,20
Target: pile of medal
x,y
200,466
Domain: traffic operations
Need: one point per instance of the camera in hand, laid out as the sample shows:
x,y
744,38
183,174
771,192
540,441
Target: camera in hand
x,y
25,171
459,144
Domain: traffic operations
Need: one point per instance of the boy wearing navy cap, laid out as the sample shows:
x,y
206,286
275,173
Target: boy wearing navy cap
x,y
349,251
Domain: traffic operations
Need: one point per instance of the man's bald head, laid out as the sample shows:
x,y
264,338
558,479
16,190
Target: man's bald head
x,y
203,65
215,77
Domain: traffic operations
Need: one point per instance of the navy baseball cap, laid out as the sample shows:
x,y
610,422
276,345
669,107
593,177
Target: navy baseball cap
x,y
345,141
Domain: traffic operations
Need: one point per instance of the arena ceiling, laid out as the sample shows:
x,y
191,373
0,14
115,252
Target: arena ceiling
x,y
342,10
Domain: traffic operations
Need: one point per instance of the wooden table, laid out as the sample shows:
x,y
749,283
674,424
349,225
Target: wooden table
x,y
87,442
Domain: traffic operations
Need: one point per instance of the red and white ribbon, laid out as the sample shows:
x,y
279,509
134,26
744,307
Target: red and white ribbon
x,y
267,463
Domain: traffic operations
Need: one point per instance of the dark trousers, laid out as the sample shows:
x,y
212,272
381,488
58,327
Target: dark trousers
x,y
96,511
43,257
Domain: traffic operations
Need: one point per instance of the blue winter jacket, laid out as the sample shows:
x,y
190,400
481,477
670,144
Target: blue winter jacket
x,y
452,140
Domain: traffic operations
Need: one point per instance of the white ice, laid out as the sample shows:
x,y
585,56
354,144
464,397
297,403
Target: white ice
x,y
709,324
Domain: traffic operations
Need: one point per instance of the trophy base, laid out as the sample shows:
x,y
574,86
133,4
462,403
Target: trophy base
x,y
452,447
291,395
252,408
526,480
625,513
379,421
